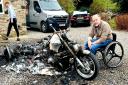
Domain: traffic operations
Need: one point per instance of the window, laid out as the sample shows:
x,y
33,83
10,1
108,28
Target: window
x,y
1,7
37,7
50,5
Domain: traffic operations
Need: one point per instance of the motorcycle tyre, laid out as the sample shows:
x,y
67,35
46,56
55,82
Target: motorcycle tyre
x,y
93,58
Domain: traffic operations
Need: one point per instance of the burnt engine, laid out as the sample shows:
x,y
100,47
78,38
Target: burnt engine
x,y
60,59
22,50
26,49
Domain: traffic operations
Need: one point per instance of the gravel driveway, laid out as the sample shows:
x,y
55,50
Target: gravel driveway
x,y
116,76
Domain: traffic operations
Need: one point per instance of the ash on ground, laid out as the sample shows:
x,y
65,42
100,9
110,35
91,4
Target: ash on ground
x,y
32,69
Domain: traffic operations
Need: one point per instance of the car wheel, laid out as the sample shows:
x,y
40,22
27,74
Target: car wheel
x,y
73,24
43,27
88,23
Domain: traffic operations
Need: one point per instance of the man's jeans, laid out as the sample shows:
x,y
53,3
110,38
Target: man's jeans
x,y
94,47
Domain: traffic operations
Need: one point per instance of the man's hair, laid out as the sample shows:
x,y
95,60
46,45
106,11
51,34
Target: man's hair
x,y
96,15
6,3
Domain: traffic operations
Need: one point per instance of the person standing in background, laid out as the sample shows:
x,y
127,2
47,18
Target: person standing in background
x,y
12,20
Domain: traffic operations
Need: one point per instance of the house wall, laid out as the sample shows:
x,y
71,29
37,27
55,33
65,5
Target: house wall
x,y
19,6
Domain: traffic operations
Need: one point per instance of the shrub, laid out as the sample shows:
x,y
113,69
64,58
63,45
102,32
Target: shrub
x,y
103,5
123,5
104,16
122,21
112,23
82,3
107,17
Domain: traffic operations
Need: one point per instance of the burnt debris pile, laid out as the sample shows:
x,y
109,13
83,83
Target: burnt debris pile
x,y
27,56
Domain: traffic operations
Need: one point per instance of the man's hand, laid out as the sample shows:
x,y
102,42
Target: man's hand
x,y
89,44
11,20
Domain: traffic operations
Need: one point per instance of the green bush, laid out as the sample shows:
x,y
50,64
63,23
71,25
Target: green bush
x,y
112,23
103,5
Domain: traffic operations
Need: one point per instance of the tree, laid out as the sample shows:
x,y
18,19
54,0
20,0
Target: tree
x,y
123,5
68,5
103,5
82,4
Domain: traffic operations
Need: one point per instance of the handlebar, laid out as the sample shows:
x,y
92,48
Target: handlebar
x,y
53,28
61,31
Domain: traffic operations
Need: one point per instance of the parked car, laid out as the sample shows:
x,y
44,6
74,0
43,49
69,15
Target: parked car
x,y
80,17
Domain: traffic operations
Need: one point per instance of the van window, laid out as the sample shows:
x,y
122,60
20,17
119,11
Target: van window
x,y
1,7
37,7
50,5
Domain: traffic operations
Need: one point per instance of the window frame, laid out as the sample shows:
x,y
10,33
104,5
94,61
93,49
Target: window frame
x,y
1,2
38,6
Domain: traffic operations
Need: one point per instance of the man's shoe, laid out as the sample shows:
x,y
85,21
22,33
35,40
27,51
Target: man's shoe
x,y
18,39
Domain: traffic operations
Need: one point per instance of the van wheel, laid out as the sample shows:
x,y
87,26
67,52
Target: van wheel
x,y
43,27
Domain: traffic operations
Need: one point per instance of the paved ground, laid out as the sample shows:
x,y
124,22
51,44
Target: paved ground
x,y
36,34
117,76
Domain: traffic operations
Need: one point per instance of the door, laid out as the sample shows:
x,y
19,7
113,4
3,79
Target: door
x,y
34,13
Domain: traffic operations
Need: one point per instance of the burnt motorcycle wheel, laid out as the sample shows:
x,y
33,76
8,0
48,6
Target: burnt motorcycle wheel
x,y
7,54
90,69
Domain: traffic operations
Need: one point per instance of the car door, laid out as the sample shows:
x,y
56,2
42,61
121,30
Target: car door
x,y
35,14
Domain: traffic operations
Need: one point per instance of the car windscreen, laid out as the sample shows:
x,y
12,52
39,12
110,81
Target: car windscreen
x,y
50,5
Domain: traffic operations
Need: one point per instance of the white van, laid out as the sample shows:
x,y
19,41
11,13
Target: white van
x,y
42,13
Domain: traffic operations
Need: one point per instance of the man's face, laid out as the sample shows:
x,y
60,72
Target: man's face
x,y
96,20
6,5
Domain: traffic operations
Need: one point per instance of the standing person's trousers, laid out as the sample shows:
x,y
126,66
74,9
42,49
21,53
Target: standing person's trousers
x,y
14,24
94,47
